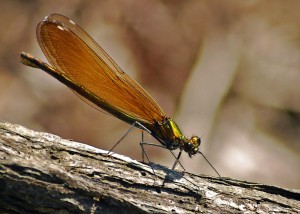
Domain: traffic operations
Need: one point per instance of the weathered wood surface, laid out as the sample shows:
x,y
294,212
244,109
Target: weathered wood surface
x,y
42,173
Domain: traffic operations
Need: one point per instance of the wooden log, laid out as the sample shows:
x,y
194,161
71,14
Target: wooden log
x,y
43,173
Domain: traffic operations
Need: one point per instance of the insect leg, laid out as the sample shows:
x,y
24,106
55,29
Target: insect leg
x,y
177,161
210,164
135,124
142,144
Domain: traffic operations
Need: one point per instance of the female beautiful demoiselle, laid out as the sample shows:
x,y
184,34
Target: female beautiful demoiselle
x,y
82,65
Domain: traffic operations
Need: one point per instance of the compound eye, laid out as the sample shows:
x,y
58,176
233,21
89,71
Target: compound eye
x,y
196,140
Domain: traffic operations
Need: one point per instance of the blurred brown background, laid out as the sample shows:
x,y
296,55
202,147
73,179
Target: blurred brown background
x,y
228,71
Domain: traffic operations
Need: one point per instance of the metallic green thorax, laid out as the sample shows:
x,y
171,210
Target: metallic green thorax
x,y
168,133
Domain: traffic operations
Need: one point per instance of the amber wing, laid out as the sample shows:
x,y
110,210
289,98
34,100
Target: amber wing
x,y
74,53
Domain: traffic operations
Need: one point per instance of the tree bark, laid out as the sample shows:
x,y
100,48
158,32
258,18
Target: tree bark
x,y
43,173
